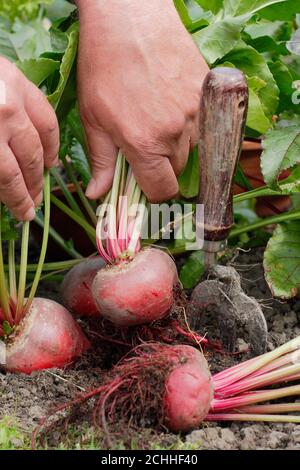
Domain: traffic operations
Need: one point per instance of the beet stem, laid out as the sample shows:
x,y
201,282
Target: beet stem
x,y
43,251
23,271
121,216
4,298
253,417
12,271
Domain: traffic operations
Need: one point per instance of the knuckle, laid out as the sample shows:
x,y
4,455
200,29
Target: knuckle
x,y
193,109
35,160
174,126
9,179
100,162
139,142
88,116
52,125
7,111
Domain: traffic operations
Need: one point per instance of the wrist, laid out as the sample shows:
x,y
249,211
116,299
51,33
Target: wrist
x,y
90,6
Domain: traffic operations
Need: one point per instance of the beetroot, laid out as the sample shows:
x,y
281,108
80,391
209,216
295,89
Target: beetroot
x,y
153,386
137,285
47,337
77,287
137,291
189,390
171,386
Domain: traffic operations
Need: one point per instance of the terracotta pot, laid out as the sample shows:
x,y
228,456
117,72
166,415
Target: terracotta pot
x,y
67,229
250,163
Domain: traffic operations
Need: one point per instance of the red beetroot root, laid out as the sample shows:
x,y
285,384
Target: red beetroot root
x,y
189,391
77,287
159,386
136,292
47,337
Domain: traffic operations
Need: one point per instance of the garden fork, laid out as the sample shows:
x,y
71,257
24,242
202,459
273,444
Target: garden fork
x,y
223,110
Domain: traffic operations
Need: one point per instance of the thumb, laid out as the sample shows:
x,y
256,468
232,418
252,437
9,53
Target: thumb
x,y
103,155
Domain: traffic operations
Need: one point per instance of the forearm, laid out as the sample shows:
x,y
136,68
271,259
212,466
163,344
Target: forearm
x,y
132,17
88,8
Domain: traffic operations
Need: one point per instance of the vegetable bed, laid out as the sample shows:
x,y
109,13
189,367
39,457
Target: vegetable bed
x,y
28,399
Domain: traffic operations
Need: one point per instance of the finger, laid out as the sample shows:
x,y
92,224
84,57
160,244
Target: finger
x,y
181,153
13,191
103,155
27,149
44,119
155,177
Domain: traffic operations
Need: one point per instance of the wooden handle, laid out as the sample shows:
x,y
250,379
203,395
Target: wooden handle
x,y
223,113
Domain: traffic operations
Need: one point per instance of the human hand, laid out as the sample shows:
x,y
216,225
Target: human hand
x,y
29,141
139,79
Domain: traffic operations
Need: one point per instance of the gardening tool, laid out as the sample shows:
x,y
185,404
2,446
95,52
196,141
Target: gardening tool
x,y
223,115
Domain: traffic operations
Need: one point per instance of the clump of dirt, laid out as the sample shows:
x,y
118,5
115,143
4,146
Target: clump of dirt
x,y
30,398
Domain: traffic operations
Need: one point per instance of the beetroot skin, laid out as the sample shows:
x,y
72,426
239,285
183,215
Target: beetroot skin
x,y
136,292
189,390
77,287
47,337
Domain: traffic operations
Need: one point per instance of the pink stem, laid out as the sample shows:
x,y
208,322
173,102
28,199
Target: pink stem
x,y
253,398
251,383
100,247
271,409
254,417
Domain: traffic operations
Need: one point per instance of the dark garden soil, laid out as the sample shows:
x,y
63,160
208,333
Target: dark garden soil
x,y
28,399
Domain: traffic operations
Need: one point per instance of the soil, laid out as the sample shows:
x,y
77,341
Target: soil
x,y
29,398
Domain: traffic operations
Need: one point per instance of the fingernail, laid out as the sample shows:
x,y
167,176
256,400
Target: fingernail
x,y
30,214
91,189
38,200
56,162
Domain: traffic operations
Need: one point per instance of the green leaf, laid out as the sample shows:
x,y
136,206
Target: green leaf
x,y
264,28
284,80
59,9
240,7
183,12
7,329
241,179
8,225
38,70
256,118
6,47
30,40
294,44
283,77
291,184
281,151
284,11
59,39
189,179
193,270
24,9
211,5
253,64
76,127
219,38
80,163
66,65
282,260
267,44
